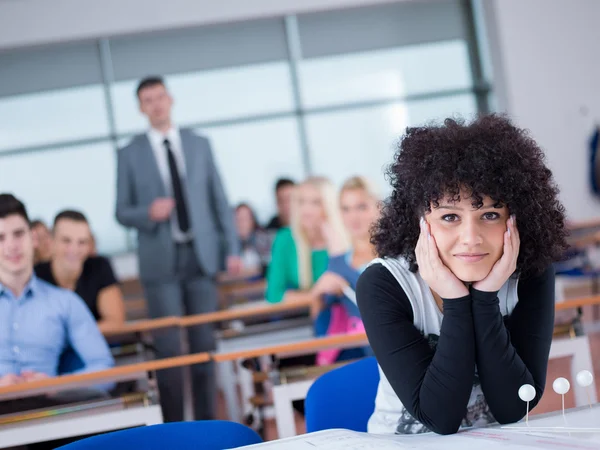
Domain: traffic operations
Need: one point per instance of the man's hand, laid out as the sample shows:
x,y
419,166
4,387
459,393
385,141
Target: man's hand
x,y
234,265
160,209
9,379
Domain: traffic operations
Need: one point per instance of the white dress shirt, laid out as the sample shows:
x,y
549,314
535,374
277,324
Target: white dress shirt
x,y
160,154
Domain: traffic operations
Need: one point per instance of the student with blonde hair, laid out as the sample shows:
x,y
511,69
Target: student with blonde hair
x,y
299,255
360,205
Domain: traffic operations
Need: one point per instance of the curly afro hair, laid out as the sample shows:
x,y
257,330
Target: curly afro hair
x,y
488,157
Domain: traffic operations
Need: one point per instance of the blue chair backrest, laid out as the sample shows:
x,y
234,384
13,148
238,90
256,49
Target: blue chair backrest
x,y
201,435
343,398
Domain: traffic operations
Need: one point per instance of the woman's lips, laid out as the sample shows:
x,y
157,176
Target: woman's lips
x,y
471,257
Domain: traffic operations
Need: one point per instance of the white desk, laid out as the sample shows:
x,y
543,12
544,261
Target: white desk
x,y
78,424
490,438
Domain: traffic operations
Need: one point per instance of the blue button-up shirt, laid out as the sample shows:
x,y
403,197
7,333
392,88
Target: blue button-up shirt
x,y
38,326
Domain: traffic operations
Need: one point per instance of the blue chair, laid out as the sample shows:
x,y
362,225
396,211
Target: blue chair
x,y
343,398
201,435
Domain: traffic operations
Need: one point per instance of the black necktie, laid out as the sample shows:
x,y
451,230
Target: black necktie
x,y
182,214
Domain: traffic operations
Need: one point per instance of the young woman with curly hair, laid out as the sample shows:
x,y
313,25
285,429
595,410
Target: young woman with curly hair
x,y
459,306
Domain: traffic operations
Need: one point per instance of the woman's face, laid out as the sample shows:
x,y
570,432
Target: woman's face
x,y
310,207
469,240
359,212
244,222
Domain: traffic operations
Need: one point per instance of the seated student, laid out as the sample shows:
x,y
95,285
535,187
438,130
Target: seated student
x,y
42,242
38,321
299,255
283,195
359,203
250,236
459,309
91,277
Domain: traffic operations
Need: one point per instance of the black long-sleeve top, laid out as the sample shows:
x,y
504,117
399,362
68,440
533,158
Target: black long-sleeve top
x,y
434,384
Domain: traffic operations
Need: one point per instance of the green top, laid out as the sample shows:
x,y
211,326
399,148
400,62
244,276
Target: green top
x,y
283,268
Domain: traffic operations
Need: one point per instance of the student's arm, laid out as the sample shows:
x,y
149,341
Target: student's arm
x,y
516,354
110,304
85,337
433,385
128,212
111,308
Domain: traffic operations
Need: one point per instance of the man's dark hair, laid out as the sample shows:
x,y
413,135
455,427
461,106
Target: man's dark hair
x,y
70,214
283,182
487,157
149,82
11,206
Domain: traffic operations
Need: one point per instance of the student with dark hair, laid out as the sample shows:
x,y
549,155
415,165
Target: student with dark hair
x,y
37,320
254,255
459,306
72,268
283,195
42,242
169,189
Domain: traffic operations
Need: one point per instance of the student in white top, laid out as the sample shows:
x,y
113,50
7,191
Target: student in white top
x,y
459,309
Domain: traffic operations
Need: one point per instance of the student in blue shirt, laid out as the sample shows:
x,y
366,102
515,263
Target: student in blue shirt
x,y
359,204
38,321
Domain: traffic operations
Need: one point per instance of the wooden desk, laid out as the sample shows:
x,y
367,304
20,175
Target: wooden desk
x,y
265,309
140,326
79,423
250,310
308,346
574,303
255,309
120,373
91,421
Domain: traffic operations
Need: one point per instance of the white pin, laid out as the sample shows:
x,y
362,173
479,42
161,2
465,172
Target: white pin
x,y
561,386
585,379
527,393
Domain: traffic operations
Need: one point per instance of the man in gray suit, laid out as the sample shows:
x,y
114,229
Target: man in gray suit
x,y
169,190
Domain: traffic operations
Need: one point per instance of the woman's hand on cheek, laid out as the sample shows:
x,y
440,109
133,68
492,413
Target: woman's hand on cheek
x,y
507,264
431,268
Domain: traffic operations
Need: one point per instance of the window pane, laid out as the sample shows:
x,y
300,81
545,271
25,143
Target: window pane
x,y
363,141
251,157
212,95
54,116
198,48
385,74
49,67
81,178
372,27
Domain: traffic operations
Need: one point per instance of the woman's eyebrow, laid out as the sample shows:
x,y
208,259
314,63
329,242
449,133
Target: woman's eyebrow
x,y
454,208
458,208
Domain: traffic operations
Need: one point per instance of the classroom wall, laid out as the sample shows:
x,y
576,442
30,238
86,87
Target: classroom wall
x,y
31,22
547,76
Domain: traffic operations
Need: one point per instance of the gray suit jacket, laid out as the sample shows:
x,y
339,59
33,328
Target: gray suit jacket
x,y
139,184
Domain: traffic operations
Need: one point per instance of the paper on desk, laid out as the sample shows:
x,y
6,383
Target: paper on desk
x,y
491,439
